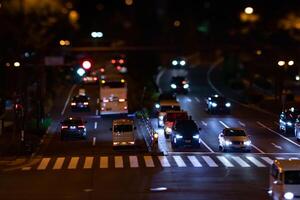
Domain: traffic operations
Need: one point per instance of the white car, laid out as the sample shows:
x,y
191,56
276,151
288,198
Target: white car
x,y
234,139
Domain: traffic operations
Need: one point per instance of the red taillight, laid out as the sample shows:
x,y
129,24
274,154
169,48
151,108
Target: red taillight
x,y
121,61
113,61
95,78
64,127
119,68
102,70
81,126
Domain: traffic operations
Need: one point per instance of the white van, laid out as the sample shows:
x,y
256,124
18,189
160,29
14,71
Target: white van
x,y
123,132
285,179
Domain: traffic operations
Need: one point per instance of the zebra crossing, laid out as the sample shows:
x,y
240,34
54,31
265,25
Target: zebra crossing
x,y
148,161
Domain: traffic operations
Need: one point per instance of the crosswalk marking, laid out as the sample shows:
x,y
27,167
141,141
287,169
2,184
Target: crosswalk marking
x,y
209,161
255,161
44,163
73,163
88,163
268,160
179,161
149,161
133,161
194,161
225,162
119,162
103,162
164,161
240,161
59,163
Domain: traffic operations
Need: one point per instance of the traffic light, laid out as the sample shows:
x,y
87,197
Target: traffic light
x,y
86,64
80,71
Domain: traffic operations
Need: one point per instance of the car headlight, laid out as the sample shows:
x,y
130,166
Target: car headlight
x,y
182,62
228,105
213,104
168,130
289,123
196,136
173,86
178,136
227,143
157,106
73,104
186,86
247,143
288,195
160,117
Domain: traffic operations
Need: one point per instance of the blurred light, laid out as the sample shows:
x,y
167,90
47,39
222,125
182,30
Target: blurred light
x,y
121,61
7,64
258,52
177,23
186,86
122,81
80,72
228,104
103,81
174,62
288,195
249,10
128,2
119,67
73,16
86,64
157,106
113,61
281,63
291,62
67,42
97,34
17,64
62,43
102,70
182,63
173,86
69,5
297,78
26,54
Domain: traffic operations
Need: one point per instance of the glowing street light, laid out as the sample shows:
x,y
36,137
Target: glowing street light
x,y
249,10
80,71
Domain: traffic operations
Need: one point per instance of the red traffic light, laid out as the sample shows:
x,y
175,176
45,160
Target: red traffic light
x,y
86,64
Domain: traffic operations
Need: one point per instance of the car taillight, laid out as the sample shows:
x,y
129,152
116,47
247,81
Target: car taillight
x,y
102,70
121,61
113,61
95,78
119,67
125,107
105,100
81,126
64,127
86,103
85,79
121,100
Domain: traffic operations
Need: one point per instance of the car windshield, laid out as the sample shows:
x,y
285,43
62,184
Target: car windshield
x,y
176,116
292,177
168,108
187,126
123,128
114,84
231,132
80,98
72,122
218,99
178,80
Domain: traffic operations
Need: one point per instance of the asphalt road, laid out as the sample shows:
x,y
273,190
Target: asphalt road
x,y
81,170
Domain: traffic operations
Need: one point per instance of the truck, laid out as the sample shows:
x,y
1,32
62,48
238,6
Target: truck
x,y
123,132
113,96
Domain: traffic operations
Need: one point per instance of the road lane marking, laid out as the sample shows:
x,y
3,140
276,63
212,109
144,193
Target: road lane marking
x,y
240,161
287,139
225,162
179,161
95,125
119,162
194,161
197,99
73,163
133,161
164,161
276,146
258,149
255,161
223,124
97,112
68,99
44,163
59,163
103,162
242,124
149,161
94,141
204,123
88,163
26,168
280,158
267,159
202,142
209,161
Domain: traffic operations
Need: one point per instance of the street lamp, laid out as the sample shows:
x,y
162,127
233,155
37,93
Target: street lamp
x,y
249,10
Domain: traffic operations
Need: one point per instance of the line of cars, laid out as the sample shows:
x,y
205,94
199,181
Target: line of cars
x,y
289,122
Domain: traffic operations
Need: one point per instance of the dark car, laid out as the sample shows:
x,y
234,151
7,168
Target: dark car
x,y
73,127
217,104
180,84
287,120
80,102
185,133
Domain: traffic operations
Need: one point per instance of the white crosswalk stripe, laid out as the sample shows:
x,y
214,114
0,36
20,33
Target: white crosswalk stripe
x,y
240,161
179,161
164,161
119,162
149,161
268,160
103,162
225,162
209,161
88,163
43,164
59,163
194,161
255,161
133,160
73,163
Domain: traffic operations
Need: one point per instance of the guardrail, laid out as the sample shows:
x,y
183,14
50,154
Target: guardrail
x,y
150,136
